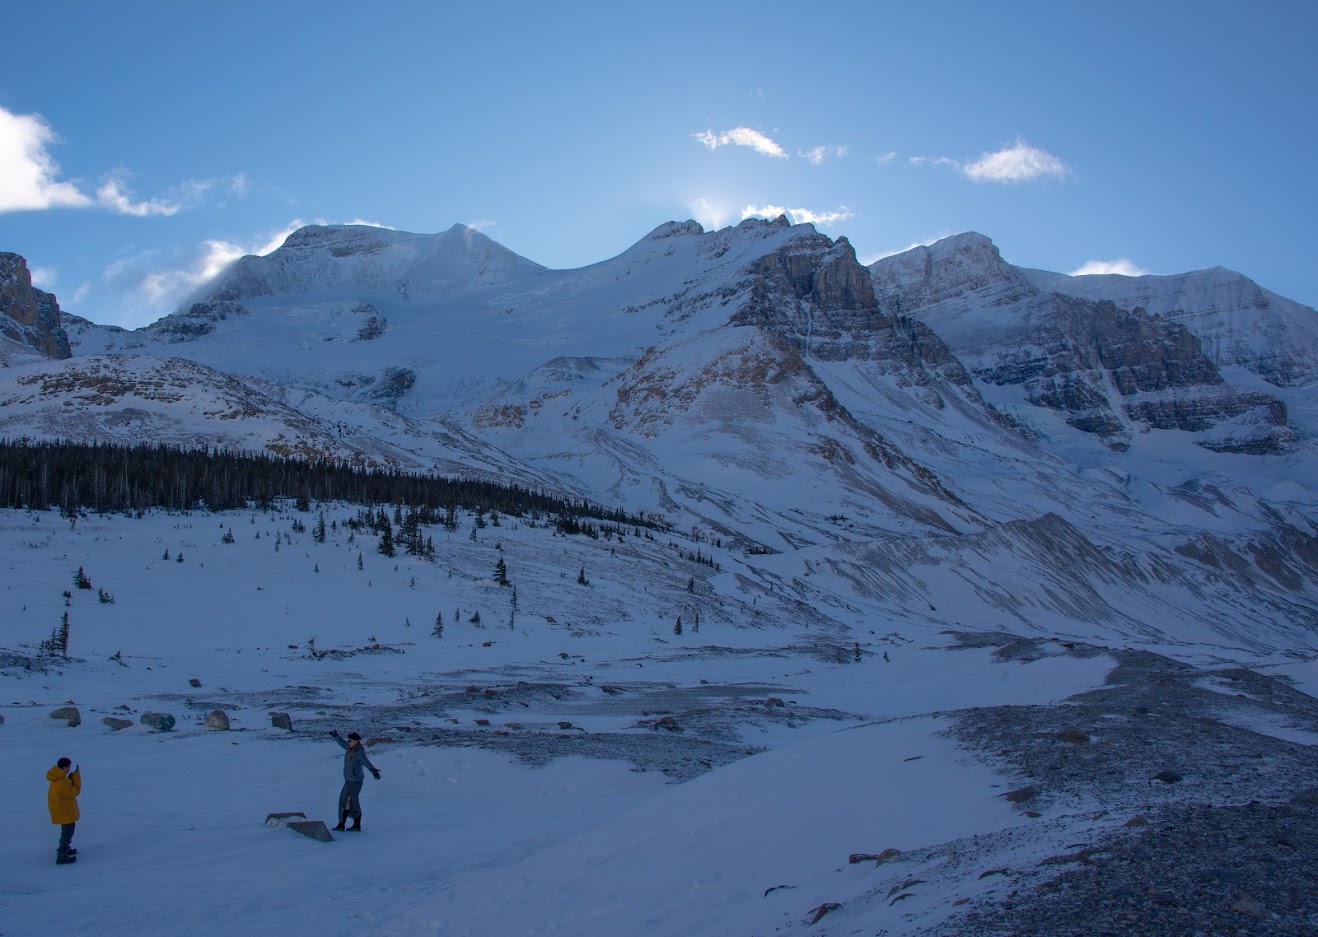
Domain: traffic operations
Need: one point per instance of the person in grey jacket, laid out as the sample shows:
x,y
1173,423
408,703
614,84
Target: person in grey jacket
x,y
355,766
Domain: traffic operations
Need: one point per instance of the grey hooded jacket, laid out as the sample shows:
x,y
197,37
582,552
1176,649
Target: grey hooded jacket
x,y
355,762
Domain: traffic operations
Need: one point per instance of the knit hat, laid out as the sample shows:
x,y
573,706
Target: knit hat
x,y
354,735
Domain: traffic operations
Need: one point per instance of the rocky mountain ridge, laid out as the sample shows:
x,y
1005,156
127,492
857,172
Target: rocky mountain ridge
x,y
1108,370
29,316
758,385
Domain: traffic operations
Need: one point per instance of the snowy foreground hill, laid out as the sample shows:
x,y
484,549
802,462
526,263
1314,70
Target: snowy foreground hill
x,y
997,593
571,765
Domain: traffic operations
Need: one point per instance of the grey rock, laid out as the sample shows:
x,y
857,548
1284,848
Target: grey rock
x,y
28,315
316,829
68,713
163,722
193,681
1306,798
218,719
117,724
281,721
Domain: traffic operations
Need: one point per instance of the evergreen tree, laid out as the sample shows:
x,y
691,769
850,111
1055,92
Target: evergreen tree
x,y
360,565
581,578
855,651
438,630
62,637
318,532
475,618
677,628
166,554
501,573
104,597
228,536
80,579
386,546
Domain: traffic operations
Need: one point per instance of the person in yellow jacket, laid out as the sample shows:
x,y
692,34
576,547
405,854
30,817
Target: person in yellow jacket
x,y
65,786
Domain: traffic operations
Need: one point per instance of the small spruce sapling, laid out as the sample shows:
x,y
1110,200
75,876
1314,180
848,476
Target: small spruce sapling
x,y
438,630
80,579
581,578
677,628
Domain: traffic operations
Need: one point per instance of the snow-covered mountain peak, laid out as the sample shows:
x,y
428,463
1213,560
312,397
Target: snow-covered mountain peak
x,y
1240,323
952,267
670,229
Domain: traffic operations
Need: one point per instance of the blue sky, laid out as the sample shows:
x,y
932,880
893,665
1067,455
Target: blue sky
x,y
142,145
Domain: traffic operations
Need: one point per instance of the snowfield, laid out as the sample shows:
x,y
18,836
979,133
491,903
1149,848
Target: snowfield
x,y
530,783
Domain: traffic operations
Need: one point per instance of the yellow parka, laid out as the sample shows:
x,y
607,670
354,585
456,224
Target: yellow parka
x,y
63,795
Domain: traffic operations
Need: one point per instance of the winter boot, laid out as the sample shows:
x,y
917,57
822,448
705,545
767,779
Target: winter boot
x,y
342,818
71,851
65,858
356,825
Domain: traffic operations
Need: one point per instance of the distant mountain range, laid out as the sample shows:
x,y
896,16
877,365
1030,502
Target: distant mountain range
x,y
941,435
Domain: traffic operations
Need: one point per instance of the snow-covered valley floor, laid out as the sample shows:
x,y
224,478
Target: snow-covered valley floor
x,y
570,765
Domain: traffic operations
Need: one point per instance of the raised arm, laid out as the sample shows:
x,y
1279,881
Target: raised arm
x,y
338,738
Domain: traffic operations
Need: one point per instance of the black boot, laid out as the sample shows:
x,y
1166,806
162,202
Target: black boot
x,y
356,825
342,817
65,858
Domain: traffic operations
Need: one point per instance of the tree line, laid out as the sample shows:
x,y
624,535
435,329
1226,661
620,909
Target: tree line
x,y
111,478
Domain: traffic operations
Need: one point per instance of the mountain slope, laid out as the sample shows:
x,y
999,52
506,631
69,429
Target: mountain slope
x,y
1109,371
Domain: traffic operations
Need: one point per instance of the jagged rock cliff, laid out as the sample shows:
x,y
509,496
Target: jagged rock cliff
x,y
1108,370
29,316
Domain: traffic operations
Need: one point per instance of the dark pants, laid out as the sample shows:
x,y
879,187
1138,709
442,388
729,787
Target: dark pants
x,y
349,804
65,836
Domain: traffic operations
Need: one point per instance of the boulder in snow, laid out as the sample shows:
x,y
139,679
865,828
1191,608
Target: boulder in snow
x,y
69,714
316,829
281,721
218,719
117,724
163,722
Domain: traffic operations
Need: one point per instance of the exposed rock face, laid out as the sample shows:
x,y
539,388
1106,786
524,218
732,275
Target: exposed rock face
x,y
1239,322
1110,371
815,292
69,714
28,315
163,722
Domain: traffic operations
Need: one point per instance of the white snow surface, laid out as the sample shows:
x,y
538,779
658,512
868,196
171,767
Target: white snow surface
x,y
464,840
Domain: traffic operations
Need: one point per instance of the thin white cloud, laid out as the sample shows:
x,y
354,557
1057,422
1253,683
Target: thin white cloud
x,y
742,136
797,215
44,278
816,156
142,288
1017,163
884,159
933,161
114,195
29,176
1123,266
711,214
482,224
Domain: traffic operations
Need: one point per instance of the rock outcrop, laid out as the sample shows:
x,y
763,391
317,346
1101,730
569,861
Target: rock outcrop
x,y
1109,371
28,315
